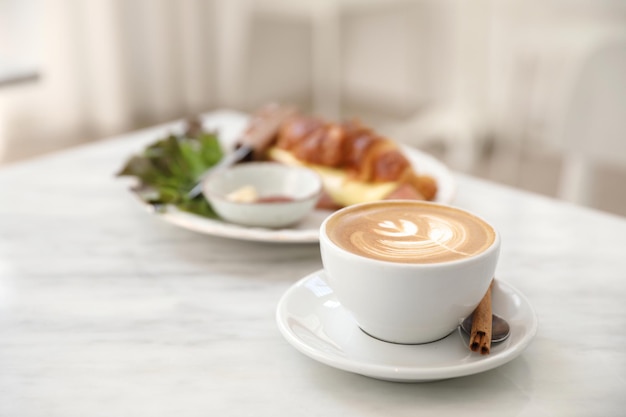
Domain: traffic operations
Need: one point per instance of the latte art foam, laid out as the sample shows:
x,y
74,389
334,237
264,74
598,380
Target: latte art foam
x,y
410,232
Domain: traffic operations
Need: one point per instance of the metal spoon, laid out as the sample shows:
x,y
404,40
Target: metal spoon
x,y
500,329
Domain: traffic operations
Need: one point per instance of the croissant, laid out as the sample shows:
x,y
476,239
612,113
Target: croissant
x,y
356,163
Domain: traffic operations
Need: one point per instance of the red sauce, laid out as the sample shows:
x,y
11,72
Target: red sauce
x,y
274,199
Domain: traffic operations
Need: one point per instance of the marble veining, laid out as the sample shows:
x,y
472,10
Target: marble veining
x,y
107,311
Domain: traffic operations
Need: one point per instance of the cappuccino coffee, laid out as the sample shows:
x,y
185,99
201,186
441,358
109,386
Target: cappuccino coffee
x,y
410,232
408,271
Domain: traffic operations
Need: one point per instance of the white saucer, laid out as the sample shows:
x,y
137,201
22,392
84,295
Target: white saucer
x,y
315,323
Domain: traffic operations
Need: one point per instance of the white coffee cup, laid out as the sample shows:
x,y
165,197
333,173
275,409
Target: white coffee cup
x,y
408,271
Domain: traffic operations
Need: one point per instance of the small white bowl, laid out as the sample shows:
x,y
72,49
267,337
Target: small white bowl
x,y
300,185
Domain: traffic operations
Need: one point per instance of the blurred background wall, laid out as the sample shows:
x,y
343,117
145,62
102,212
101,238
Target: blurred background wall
x,y
530,94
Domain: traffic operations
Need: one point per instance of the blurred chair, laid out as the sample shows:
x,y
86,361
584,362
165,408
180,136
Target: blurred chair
x,y
235,18
562,93
593,125
452,118
460,130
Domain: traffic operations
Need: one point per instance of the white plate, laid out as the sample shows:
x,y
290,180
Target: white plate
x,y
230,125
315,323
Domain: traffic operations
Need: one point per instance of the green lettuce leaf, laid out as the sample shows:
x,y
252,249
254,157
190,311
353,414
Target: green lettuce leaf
x,y
168,169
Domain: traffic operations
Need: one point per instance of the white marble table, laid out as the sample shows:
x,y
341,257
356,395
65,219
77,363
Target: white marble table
x,y
107,311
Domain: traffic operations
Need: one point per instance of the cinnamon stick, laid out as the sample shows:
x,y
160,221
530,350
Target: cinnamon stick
x,y
480,336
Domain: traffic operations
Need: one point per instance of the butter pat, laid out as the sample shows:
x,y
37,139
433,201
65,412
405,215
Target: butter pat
x,y
245,194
